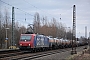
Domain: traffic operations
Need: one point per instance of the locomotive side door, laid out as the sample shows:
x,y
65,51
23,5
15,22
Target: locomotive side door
x,y
38,41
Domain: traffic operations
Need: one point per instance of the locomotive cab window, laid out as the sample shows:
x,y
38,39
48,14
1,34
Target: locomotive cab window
x,y
25,38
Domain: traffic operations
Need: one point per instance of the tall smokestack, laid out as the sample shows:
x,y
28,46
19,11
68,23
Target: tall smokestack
x,y
85,31
89,35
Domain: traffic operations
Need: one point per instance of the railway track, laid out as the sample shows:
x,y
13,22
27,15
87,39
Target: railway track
x,y
9,53
29,55
26,55
43,54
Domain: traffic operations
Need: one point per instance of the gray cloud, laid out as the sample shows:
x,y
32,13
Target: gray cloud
x,y
53,8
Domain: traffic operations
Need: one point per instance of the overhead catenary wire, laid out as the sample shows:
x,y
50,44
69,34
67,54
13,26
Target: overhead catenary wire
x,y
28,5
23,10
42,10
21,21
36,7
19,8
16,8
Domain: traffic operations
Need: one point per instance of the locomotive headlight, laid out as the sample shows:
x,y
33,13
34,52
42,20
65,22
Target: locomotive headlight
x,y
20,44
29,44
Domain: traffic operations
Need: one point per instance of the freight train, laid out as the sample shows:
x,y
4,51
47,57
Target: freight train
x,y
36,42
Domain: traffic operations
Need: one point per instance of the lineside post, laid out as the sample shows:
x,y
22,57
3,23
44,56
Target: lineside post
x,y
73,51
13,26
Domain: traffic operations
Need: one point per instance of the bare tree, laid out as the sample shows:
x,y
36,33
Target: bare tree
x,y
53,28
7,22
44,26
22,30
36,23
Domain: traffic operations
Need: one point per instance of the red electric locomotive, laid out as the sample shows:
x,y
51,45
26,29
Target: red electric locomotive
x,y
33,42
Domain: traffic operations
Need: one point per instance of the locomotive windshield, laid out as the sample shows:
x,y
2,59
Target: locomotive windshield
x,y
25,37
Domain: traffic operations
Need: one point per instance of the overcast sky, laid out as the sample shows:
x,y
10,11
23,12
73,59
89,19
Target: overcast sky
x,y
52,8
